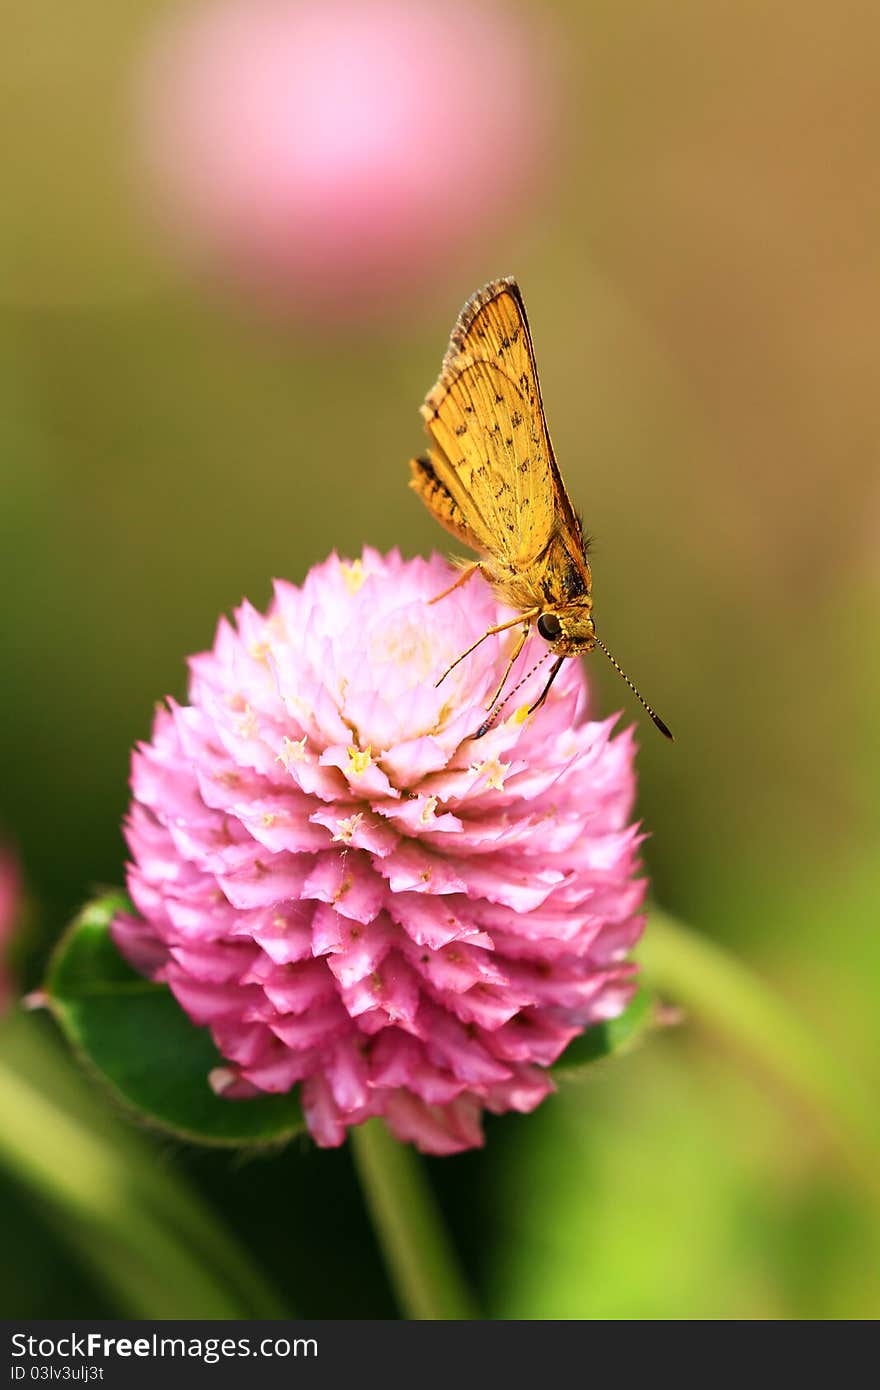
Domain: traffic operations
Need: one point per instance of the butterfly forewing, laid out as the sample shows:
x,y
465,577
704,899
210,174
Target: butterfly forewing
x,y
491,451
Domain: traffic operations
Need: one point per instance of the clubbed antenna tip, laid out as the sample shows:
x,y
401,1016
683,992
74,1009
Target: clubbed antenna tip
x,y
664,728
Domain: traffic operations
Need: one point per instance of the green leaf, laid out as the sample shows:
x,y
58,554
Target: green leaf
x,y
604,1039
137,1038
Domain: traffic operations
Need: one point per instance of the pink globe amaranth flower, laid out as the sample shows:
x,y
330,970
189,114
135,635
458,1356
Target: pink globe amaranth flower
x,y
351,892
331,155
10,912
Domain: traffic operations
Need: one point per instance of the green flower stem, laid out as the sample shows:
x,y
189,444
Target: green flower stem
x,y
419,1257
729,999
145,1235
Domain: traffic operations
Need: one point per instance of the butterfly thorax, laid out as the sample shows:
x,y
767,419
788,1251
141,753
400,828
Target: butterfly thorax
x,y
557,588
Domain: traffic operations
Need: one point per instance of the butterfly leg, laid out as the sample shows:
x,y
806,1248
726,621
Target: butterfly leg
x,y
462,579
554,672
520,643
490,632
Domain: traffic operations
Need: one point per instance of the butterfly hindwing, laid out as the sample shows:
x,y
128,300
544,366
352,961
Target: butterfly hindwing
x,y
440,501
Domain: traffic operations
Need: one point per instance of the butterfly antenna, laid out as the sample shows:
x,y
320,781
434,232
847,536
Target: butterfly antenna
x,y
488,723
641,699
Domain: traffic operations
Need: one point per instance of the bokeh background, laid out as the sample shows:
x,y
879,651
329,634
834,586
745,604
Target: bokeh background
x,y
229,263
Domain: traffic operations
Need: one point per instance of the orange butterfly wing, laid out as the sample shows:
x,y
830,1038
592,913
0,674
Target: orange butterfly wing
x,y
491,477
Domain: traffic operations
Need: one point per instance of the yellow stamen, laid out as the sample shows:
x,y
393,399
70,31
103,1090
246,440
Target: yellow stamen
x,y
248,726
345,828
358,761
292,750
354,575
494,772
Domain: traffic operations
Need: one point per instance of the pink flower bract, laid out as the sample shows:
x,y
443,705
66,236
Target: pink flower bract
x,y
355,895
10,909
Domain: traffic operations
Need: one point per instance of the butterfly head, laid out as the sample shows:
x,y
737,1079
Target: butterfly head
x,y
568,628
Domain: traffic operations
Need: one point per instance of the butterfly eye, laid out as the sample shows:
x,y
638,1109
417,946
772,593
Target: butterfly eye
x,y
549,627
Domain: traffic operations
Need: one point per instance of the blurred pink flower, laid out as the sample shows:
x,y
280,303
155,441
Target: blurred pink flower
x,y
10,911
352,892
332,156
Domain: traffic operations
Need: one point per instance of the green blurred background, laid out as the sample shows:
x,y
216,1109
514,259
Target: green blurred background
x,y
701,276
